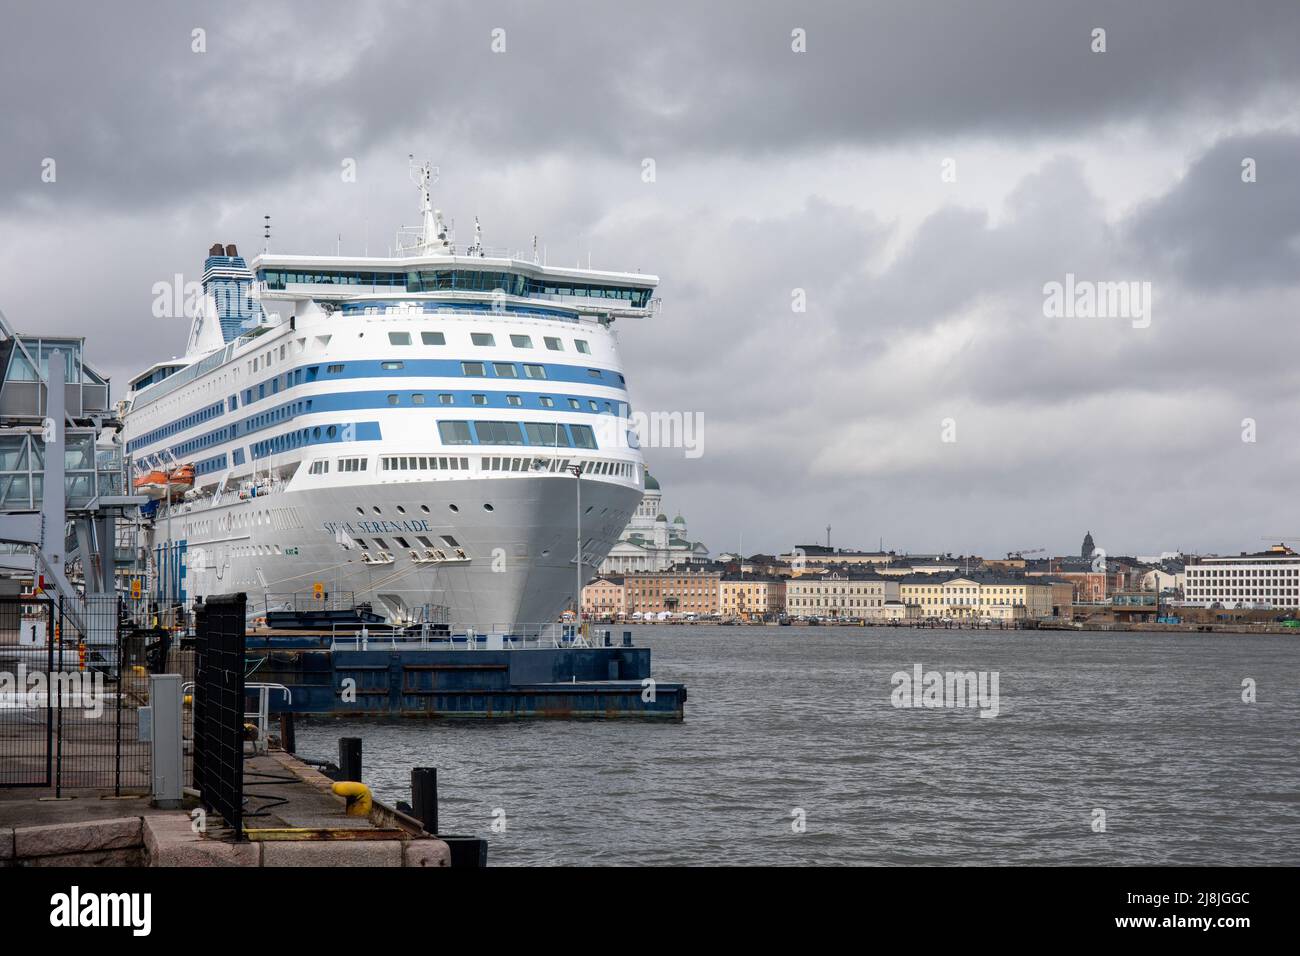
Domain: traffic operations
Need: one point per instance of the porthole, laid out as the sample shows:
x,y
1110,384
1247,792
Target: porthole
x,y
487,507
360,510
375,509
424,508
454,509
401,510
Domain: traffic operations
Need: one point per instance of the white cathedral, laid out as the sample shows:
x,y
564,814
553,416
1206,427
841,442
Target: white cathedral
x,y
650,542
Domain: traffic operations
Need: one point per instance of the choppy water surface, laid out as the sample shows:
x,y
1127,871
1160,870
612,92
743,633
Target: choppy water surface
x,y
1150,728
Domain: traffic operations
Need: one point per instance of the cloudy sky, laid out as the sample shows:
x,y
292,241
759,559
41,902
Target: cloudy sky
x,y
920,171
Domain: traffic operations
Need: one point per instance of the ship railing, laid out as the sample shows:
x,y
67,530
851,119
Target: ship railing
x,y
470,637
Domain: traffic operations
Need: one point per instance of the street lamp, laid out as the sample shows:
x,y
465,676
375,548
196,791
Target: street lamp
x,y
576,469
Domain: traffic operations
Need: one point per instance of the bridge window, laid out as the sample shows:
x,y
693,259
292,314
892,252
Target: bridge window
x,y
455,433
433,338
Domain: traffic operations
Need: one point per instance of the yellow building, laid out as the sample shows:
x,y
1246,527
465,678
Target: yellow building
x,y
751,598
604,597
996,599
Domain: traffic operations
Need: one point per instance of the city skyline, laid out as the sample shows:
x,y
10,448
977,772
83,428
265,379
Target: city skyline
x,y
916,210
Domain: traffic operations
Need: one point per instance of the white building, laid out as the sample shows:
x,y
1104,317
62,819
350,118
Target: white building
x,y
651,542
1265,579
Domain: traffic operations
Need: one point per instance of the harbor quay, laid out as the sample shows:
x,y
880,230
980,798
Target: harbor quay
x,y
300,821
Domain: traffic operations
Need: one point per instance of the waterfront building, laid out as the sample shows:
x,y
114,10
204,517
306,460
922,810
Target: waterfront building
x,y
680,592
858,596
651,542
751,598
1264,579
605,597
996,598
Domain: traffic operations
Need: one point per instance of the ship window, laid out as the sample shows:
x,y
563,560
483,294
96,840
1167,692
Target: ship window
x,y
482,338
392,366
574,403
455,433
514,400
392,399
583,436
479,399
534,371
446,398
401,542
505,369
546,401
333,369
399,338
433,338
418,398
447,539
555,345
592,405
593,373
472,368
521,341
582,346
540,433
499,433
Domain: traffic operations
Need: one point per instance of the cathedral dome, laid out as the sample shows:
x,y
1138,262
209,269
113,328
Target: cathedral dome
x,y
651,483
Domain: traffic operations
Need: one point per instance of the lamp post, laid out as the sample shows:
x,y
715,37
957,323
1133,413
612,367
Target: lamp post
x,y
576,469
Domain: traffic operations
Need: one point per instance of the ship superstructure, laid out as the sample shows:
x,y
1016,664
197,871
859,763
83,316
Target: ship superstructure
x,y
401,429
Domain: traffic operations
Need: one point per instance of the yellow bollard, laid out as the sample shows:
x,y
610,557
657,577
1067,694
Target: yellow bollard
x,y
358,797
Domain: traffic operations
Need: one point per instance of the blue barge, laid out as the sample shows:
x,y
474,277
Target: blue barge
x,y
463,676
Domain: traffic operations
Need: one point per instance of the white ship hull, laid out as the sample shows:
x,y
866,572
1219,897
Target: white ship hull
x,y
519,564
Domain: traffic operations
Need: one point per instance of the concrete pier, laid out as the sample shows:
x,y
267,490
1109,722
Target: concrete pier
x,y
294,819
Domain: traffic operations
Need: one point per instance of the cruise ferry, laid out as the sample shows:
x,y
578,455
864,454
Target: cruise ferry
x,y
441,433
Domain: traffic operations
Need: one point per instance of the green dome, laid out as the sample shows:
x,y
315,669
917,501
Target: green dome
x,y
651,483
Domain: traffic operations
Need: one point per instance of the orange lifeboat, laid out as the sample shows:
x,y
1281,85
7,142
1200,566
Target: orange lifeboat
x,y
157,483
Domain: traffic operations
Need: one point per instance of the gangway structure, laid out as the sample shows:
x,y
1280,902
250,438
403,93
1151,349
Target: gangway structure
x,y
54,409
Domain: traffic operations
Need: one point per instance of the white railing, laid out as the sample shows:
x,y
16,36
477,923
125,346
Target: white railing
x,y
469,637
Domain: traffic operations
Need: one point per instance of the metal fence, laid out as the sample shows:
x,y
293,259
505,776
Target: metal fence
x,y
219,706
71,685
26,708
104,683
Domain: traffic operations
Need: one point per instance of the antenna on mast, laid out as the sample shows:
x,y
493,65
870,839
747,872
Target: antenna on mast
x,y
266,233
432,231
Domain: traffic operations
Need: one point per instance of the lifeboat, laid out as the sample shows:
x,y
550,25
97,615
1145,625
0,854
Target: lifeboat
x,y
155,484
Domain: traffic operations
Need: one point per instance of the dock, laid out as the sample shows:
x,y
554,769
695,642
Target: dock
x,y
294,819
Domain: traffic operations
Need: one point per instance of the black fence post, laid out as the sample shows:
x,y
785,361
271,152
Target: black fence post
x,y
219,708
350,759
424,797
